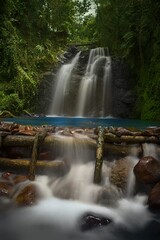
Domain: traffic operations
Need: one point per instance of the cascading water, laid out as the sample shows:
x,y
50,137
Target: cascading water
x,y
92,93
98,64
66,199
62,86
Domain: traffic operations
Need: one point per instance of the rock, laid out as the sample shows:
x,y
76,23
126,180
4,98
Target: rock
x,y
92,220
147,170
122,131
5,189
19,178
120,172
154,197
6,176
12,178
27,196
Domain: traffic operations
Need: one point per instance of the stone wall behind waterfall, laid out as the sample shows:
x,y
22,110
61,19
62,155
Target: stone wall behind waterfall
x,y
123,86
124,94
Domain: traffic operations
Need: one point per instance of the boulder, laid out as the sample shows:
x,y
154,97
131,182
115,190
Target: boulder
x,y
147,170
27,196
154,197
90,221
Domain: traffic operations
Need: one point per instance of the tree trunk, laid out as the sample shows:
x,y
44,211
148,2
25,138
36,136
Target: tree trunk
x,y
22,165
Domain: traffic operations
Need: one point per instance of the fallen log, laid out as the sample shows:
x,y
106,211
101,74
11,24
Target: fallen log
x,y
5,114
122,150
25,141
22,165
112,138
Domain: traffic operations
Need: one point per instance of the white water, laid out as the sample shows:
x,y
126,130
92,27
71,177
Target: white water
x,y
60,219
87,96
62,86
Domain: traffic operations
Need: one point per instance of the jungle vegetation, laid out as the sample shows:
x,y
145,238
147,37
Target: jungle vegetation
x,y
33,34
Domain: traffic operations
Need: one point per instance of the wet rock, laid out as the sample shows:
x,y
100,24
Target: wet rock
x,y
122,131
27,196
154,197
19,178
5,189
67,132
92,220
120,172
147,170
7,176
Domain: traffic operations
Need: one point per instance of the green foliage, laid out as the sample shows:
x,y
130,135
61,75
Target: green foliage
x,y
11,102
131,29
84,31
32,34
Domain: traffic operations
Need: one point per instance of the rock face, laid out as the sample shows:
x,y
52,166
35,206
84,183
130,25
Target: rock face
x,y
91,221
147,170
123,85
154,197
123,89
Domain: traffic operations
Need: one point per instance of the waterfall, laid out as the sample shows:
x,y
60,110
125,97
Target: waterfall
x,y
89,94
88,97
62,201
62,87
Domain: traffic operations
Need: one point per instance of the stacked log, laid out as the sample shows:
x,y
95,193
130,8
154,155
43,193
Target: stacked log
x,y
18,144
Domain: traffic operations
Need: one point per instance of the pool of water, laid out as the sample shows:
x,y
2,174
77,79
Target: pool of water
x,y
81,122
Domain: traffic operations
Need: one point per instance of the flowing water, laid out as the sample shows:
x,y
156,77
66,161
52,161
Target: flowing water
x,y
87,96
94,89
62,86
64,200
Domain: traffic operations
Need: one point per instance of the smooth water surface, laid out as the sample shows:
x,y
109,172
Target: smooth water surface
x,y
81,122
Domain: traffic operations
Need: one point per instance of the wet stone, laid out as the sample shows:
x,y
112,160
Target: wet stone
x,y
19,178
5,189
28,196
147,170
7,176
90,221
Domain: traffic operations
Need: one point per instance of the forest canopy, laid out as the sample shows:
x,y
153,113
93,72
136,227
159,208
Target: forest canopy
x,y
33,33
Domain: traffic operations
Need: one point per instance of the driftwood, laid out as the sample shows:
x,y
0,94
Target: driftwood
x,y
50,141
121,150
6,113
112,138
99,156
22,165
25,141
